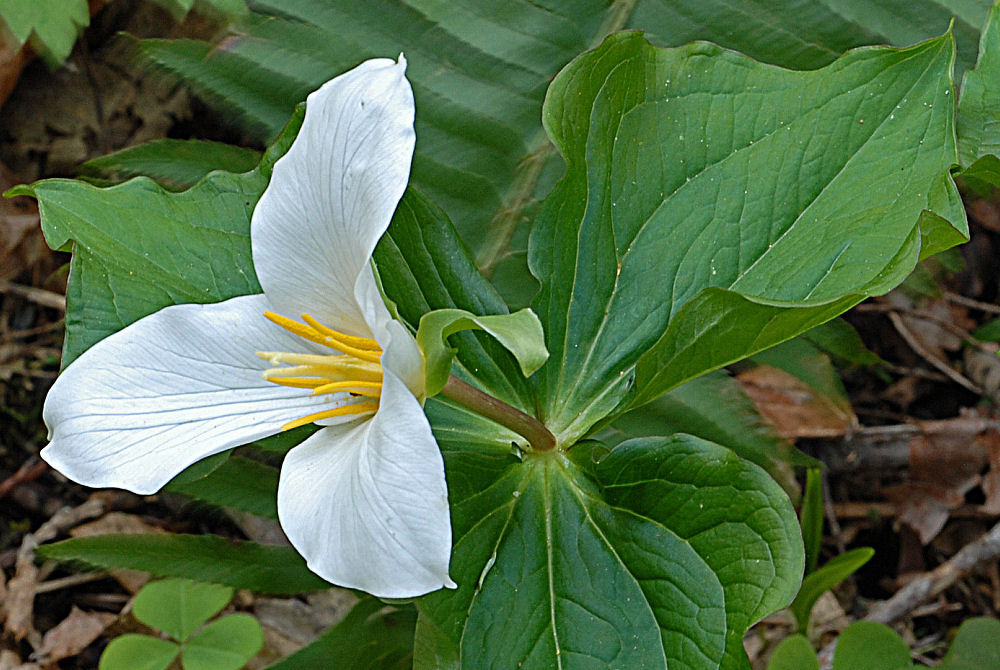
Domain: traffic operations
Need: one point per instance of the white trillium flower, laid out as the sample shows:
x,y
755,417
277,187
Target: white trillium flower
x,y
364,498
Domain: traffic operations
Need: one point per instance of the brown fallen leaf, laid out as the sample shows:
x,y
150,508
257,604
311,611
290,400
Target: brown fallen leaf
x,y
945,459
72,635
991,480
11,661
19,603
21,243
986,213
795,409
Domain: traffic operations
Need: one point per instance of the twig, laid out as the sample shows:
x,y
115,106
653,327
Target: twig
x,y
925,587
72,580
974,304
868,510
915,344
928,585
913,372
888,447
32,469
30,332
36,295
957,331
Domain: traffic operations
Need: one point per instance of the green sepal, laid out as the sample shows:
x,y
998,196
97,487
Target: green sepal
x,y
521,333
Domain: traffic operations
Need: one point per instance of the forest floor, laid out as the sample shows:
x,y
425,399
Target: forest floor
x,y
912,447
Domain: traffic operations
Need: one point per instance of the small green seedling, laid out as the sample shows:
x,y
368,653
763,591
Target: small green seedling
x,y
866,645
179,608
834,571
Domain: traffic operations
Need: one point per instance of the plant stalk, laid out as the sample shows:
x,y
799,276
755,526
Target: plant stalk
x,y
527,426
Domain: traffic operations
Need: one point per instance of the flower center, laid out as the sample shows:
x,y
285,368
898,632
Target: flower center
x,y
353,377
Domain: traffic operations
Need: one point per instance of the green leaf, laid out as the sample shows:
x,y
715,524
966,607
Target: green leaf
x,y
714,407
179,606
682,223
794,653
239,483
520,333
808,35
659,553
811,517
976,646
988,332
226,644
175,164
371,636
206,558
134,244
841,341
479,82
978,121
825,578
51,25
866,645
200,469
432,650
138,652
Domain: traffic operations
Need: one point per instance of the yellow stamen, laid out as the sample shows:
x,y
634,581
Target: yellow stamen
x,y
343,410
349,340
330,338
356,370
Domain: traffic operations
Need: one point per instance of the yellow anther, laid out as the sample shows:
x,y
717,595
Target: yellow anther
x,y
329,337
356,370
349,340
343,410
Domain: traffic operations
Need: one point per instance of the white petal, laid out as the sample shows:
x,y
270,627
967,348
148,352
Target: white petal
x,y
401,353
366,503
331,197
170,389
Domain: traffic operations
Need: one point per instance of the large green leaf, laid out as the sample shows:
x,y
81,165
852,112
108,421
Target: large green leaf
x,y
206,558
659,554
175,164
979,108
714,407
138,247
713,206
372,636
238,483
480,70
